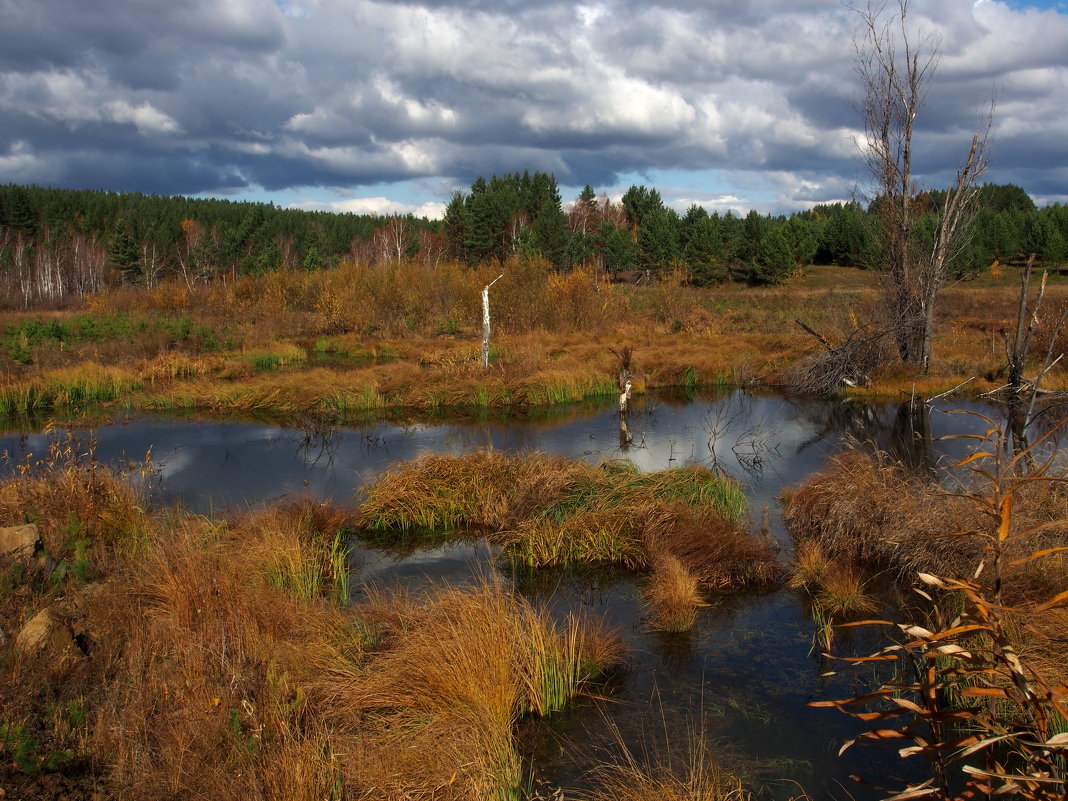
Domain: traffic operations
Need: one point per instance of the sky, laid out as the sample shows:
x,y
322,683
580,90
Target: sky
x,y
391,107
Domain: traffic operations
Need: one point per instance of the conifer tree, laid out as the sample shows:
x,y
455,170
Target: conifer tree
x,y
124,254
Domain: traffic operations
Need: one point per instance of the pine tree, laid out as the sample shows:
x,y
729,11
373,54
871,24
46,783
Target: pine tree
x,y
775,259
619,250
456,228
20,212
658,239
704,252
639,201
548,219
124,254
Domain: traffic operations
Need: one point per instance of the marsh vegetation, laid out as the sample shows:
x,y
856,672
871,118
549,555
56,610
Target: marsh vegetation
x,y
243,660
221,653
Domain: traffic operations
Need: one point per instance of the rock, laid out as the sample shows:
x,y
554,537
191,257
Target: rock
x,y
47,639
18,542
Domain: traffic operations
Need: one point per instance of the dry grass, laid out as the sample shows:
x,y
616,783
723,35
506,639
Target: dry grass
x,y
841,593
810,565
415,340
867,510
720,554
665,772
673,596
989,614
876,513
548,510
866,514
836,585
455,669
190,683
73,500
209,657
223,662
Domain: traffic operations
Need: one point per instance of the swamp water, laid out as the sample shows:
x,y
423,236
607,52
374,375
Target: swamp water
x,y
741,678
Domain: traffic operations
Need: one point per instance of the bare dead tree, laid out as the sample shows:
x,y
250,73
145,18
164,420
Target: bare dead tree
x,y
1017,354
152,262
625,356
1017,350
486,321
896,65
849,363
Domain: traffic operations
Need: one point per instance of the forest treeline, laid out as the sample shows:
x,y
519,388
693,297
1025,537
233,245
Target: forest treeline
x,y
58,244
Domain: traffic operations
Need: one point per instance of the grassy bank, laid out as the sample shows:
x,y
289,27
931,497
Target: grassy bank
x,y
221,657
363,339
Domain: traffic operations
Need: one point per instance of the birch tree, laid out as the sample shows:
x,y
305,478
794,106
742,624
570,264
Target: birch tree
x,y
486,321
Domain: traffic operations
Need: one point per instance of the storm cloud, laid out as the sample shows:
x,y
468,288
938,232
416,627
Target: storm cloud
x,y
227,97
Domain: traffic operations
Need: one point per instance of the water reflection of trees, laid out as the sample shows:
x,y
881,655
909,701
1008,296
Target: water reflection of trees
x,y
1029,425
733,428
317,441
902,430
921,436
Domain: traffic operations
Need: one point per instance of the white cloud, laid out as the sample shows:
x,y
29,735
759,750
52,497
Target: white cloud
x,y
20,165
375,205
338,94
145,116
75,98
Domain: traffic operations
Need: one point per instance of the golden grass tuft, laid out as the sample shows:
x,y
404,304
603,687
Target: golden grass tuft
x,y
449,675
841,593
810,566
836,585
456,668
664,772
673,596
175,366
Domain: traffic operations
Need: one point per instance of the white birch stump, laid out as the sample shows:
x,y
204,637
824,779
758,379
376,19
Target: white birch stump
x,y
486,321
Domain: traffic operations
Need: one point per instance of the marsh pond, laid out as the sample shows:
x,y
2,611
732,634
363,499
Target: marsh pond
x,y
742,677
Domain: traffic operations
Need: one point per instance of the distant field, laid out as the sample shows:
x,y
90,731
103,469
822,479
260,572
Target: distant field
x,y
366,339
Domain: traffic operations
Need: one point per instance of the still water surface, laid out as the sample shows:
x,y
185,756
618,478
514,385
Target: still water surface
x,y
742,676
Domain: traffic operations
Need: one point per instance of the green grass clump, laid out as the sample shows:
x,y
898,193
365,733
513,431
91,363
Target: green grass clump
x,y
281,356
699,487
25,753
67,389
360,399
559,387
19,339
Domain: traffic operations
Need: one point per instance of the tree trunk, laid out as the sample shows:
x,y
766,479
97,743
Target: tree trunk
x,y
486,321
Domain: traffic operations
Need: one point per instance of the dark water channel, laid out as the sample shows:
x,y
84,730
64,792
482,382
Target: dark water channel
x,y
742,676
